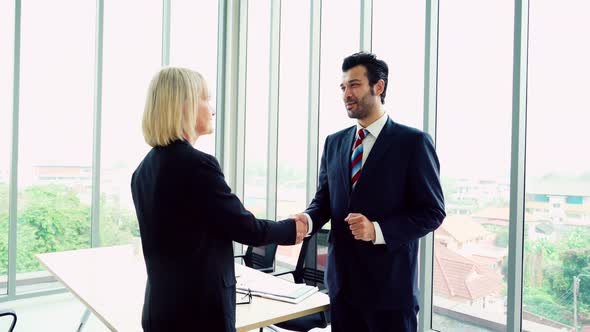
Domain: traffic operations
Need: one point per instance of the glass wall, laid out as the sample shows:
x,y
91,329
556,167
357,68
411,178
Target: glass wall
x,y
193,44
57,107
131,58
398,39
257,83
6,78
293,115
474,110
55,133
557,219
340,37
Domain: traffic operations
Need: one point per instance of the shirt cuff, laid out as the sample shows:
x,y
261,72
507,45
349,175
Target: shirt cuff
x,y
379,239
309,224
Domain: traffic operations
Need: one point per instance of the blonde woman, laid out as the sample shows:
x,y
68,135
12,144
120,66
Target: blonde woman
x,y
188,216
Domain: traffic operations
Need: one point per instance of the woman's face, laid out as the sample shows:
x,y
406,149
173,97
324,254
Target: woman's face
x,y
205,113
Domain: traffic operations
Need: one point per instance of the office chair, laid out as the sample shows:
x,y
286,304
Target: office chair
x,y
9,313
260,258
310,276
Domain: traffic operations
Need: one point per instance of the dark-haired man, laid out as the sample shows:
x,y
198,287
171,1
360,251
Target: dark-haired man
x,y
379,185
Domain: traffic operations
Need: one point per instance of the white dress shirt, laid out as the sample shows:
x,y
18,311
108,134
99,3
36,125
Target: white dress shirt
x,y
368,142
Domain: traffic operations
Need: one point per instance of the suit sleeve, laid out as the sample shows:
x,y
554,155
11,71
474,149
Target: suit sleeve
x,y
319,208
228,217
425,211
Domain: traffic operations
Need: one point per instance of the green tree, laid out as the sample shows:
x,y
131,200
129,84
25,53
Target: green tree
x,y
536,256
551,295
118,224
543,302
3,228
52,218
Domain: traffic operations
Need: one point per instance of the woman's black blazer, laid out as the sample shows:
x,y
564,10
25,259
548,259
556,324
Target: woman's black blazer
x,y
188,218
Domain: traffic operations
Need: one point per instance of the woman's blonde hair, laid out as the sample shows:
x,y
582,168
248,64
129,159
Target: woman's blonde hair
x,y
171,106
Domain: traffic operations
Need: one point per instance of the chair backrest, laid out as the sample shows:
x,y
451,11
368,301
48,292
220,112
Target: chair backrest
x,y
304,274
313,276
262,257
12,314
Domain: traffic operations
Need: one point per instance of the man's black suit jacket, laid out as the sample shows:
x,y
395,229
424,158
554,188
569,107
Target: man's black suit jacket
x,y
188,218
399,187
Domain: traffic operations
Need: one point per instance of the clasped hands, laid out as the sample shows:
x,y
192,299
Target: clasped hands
x,y
301,227
361,227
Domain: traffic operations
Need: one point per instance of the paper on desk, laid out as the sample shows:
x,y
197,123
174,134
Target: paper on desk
x,y
276,289
311,291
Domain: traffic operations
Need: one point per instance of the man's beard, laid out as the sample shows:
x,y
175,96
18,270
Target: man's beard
x,y
360,113
362,110
363,106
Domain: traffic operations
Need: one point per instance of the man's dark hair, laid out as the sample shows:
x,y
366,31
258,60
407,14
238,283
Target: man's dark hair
x,y
376,69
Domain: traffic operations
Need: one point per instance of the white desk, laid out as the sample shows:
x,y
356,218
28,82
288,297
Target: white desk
x,y
110,281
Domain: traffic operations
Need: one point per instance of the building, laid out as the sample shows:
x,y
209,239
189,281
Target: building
x,y
560,199
462,279
462,233
76,177
471,240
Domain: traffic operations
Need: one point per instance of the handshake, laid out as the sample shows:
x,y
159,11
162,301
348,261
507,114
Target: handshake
x,y
361,228
301,227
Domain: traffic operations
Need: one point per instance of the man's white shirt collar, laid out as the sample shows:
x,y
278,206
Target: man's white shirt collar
x,y
375,127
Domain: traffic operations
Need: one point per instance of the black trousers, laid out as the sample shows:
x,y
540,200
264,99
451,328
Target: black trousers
x,y
347,317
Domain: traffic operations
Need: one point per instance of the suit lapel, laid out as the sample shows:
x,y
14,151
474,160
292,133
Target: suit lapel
x,y
345,151
377,152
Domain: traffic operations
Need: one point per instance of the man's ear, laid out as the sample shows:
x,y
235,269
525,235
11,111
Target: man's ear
x,y
379,86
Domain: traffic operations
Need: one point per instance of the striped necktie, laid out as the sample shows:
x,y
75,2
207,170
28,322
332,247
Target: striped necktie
x,y
356,159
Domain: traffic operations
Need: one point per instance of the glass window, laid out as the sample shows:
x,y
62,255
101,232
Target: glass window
x,y
55,140
398,39
557,236
574,200
473,142
131,58
340,38
256,145
6,78
193,44
293,109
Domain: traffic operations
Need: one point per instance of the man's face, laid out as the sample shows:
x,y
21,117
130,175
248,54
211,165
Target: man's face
x,y
356,93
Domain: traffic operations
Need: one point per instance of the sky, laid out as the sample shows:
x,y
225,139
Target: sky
x,y
474,96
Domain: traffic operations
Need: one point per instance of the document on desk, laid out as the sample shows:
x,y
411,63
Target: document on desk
x,y
275,288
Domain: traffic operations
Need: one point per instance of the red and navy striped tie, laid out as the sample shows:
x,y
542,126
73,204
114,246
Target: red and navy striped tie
x,y
356,159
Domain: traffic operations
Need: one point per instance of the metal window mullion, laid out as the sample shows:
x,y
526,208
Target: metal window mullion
x,y
227,62
23,296
240,143
517,166
97,128
227,137
222,28
313,113
166,32
430,112
366,42
273,109
13,186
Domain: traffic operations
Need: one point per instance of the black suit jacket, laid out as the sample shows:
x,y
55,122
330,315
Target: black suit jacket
x,y
399,188
188,218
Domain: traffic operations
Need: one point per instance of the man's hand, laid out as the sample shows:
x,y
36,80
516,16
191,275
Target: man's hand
x,y
361,227
301,226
